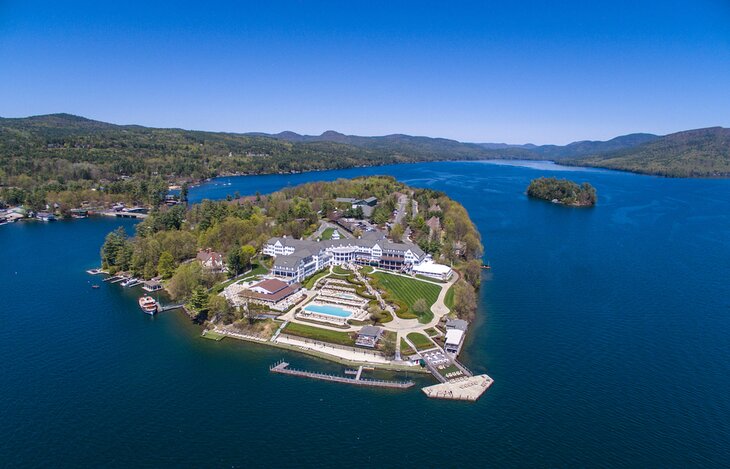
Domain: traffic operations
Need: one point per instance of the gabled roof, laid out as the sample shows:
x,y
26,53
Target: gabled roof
x,y
457,324
370,331
271,285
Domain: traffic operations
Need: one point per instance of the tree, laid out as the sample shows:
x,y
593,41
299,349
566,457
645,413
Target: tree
x,y
199,299
184,192
247,254
420,306
112,251
376,313
219,309
166,265
234,261
388,347
396,233
187,277
473,272
465,301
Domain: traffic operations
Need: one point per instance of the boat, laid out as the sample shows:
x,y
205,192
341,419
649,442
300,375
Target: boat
x,y
486,266
95,286
148,304
129,282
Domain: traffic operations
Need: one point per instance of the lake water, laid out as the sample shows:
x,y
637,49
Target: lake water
x,y
607,332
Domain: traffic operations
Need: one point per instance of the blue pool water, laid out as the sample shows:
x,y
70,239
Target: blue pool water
x,y
606,331
328,310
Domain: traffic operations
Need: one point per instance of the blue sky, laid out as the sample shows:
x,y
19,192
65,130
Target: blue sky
x,y
517,72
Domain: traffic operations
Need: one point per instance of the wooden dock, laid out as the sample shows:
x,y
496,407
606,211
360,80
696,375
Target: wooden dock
x,y
161,308
283,368
468,388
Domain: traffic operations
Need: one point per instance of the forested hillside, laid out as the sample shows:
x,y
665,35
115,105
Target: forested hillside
x,y
66,159
693,153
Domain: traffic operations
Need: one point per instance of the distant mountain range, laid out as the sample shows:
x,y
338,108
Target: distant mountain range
x,y
36,142
691,153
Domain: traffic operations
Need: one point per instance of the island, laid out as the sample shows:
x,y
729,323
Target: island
x,y
562,191
366,272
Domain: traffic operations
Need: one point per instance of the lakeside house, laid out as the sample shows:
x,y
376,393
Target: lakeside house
x,y
367,205
45,216
271,290
455,332
434,226
297,259
211,260
368,336
273,293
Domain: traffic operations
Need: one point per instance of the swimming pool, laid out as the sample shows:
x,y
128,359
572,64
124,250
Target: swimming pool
x,y
328,310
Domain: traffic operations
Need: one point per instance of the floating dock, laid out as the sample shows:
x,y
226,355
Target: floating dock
x,y
283,368
468,388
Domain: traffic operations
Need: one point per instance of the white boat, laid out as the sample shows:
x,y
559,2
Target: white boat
x,y
130,282
148,304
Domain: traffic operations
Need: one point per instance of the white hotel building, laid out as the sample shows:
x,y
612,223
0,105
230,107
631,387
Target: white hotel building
x,y
298,259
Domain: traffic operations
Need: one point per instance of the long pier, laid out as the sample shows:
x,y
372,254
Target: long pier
x,y
283,368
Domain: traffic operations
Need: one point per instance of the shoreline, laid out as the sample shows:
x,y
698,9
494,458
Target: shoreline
x,y
325,356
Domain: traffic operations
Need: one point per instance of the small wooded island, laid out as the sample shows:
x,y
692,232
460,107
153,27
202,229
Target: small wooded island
x,y
562,191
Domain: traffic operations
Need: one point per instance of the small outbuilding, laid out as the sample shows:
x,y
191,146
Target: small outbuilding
x,y
433,270
368,336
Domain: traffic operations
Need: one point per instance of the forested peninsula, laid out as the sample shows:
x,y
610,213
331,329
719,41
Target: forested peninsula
x,y
174,243
562,191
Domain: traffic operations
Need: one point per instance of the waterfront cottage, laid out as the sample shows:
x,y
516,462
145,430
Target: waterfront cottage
x,y
368,336
211,260
273,293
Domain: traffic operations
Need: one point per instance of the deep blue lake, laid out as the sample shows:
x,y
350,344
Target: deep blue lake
x,y
607,331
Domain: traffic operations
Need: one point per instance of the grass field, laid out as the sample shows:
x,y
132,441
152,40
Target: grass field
x,y
430,279
309,283
420,341
212,335
408,290
405,349
432,332
449,298
340,271
316,333
328,233
256,269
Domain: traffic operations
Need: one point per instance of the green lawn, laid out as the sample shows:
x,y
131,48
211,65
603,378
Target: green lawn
x,y
317,333
430,279
449,298
432,332
340,271
309,283
405,349
212,335
328,233
368,269
256,269
408,290
420,341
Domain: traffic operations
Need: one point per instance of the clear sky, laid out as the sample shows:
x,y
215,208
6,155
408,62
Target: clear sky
x,y
542,72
